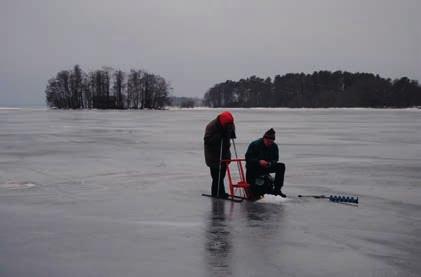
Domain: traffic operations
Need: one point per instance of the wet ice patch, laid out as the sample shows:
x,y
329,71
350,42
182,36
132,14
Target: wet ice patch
x,y
17,185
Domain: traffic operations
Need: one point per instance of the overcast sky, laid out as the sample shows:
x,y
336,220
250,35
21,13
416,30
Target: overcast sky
x,y
195,44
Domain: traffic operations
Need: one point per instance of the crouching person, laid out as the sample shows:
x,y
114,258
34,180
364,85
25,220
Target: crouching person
x,y
262,159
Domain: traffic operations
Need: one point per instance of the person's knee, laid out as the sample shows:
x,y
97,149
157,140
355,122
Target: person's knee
x,y
280,167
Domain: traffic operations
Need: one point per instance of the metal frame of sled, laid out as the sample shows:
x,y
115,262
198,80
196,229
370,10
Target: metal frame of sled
x,y
238,188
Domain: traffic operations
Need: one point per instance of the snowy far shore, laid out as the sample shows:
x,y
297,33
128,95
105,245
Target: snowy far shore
x,y
209,109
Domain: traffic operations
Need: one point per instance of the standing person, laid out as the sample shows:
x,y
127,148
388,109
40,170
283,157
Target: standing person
x,y
217,147
261,159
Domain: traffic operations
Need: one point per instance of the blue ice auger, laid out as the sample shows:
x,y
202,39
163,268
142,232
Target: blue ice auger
x,y
343,199
335,198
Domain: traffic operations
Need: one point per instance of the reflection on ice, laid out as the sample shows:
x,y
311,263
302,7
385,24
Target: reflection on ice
x,y
218,242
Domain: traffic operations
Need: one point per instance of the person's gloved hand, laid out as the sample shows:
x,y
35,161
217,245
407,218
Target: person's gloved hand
x,y
229,131
263,164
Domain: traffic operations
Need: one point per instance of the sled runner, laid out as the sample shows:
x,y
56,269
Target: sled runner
x,y
229,198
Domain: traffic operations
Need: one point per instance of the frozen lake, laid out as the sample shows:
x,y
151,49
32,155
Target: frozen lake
x,y
117,193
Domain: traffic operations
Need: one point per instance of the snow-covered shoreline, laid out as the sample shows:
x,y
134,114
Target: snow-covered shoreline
x,y
415,109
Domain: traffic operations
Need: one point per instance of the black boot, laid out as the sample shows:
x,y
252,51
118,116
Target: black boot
x,y
280,193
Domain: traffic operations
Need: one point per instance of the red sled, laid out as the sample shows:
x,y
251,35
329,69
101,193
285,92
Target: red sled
x,y
237,183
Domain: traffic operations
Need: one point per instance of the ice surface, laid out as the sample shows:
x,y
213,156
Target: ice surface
x,y
117,193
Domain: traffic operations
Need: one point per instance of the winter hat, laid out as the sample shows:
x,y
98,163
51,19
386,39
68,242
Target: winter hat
x,y
270,134
225,118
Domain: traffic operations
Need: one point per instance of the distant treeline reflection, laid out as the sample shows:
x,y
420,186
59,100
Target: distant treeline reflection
x,y
107,89
320,89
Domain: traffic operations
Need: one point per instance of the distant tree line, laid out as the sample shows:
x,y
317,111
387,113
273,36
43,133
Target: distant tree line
x,y
320,89
106,88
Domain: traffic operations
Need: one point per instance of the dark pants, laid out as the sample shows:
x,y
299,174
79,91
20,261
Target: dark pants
x,y
278,169
215,173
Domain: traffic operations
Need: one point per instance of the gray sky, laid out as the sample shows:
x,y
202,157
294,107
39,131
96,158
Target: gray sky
x,y
196,43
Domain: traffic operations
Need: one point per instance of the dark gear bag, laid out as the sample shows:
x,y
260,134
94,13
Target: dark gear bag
x,y
263,184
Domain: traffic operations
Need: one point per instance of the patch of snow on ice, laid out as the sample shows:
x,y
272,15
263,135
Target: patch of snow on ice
x,y
17,185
